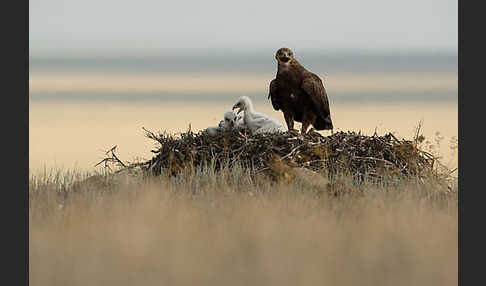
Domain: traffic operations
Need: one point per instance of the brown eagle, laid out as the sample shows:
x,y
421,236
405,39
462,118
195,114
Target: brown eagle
x,y
300,94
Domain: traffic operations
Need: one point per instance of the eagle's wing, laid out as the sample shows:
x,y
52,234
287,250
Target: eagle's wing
x,y
273,94
312,85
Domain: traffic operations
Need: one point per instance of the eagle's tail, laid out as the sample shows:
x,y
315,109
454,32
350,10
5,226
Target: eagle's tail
x,y
324,123
328,122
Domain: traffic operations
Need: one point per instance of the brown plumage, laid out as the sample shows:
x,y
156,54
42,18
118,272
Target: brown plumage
x,y
300,94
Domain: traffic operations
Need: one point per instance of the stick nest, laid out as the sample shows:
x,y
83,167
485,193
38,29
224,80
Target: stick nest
x,y
348,153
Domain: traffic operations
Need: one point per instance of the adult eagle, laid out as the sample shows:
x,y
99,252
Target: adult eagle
x,y
299,93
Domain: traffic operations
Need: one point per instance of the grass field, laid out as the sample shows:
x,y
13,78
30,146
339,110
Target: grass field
x,y
230,228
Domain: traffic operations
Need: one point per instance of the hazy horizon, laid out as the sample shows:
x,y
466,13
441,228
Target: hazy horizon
x,y
250,63
355,77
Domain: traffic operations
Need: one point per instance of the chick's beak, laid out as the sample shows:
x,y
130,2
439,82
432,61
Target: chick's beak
x,y
239,108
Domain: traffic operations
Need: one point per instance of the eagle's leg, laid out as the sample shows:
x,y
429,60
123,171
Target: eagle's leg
x,y
305,125
289,119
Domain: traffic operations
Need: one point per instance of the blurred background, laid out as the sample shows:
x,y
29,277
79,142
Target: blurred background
x,y
101,70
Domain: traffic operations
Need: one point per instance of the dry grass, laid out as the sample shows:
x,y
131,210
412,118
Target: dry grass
x,y
207,228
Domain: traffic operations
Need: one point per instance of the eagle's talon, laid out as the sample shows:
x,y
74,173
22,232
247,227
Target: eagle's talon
x,y
294,131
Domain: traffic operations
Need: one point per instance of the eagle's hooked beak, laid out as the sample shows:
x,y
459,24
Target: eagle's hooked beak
x,y
284,59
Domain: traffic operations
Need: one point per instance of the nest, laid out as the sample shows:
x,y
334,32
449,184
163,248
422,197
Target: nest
x,y
348,153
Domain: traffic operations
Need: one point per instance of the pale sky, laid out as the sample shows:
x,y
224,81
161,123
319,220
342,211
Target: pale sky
x,y
151,27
